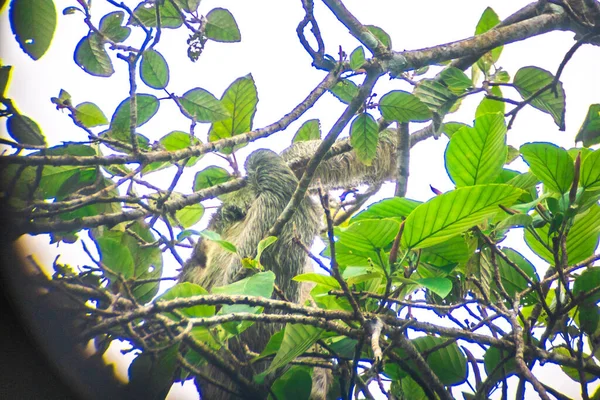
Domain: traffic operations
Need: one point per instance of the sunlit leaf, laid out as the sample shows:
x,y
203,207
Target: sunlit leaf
x,y
403,107
221,26
550,163
364,138
154,70
310,130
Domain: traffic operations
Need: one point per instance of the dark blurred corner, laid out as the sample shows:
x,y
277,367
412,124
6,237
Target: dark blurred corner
x,y
39,357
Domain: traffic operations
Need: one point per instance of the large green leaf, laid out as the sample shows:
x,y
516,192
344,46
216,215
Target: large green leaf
x,y
154,70
25,130
364,137
91,56
401,106
210,176
297,339
454,212
587,281
437,97
452,251
590,171
116,257
368,235
203,106
221,26
380,34
582,238
550,163
240,100
476,155
345,90
488,20
456,80
33,23
111,26
296,380
491,106
448,363
185,290
512,280
173,141
528,80
357,58
396,207
589,133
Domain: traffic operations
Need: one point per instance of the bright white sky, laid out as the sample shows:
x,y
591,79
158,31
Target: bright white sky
x,y
281,68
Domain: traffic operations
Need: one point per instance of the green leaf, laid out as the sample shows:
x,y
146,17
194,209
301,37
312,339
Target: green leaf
x,y
529,80
297,339
573,373
590,171
454,212
587,281
381,35
296,380
364,137
320,279
147,106
490,106
512,280
151,374
401,106
440,286
456,80
25,130
396,207
310,130
589,317
190,215
90,115
146,13
260,284
357,58
493,357
551,164
116,257
188,5
582,239
369,234
240,100
345,90
154,70
183,291
33,23
263,245
448,363
173,141
91,56
488,20
111,27
215,237
437,97
476,155
203,106
221,26
589,133
453,251
450,128
210,176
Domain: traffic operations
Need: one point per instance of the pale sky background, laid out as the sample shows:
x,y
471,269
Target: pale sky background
x,y
281,68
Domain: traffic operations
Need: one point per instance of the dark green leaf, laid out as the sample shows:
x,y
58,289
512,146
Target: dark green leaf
x,y
310,130
221,26
345,90
146,13
151,374
454,212
147,106
5,71
401,106
33,23
111,26
154,70
210,176
297,339
551,164
364,138
476,155
357,58
437,97
90,115
91,56
587,281
25,130
589,133
296,380
203,106
529,80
